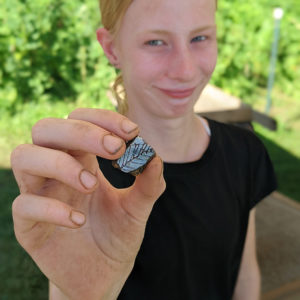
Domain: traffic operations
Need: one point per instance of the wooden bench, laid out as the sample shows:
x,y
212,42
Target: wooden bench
x,y
220,106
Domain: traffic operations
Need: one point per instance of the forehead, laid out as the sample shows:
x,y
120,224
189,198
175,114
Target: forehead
x,y
172,14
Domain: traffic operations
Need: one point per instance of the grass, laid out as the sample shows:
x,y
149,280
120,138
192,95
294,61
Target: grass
x,y
20,278
283,144
285,160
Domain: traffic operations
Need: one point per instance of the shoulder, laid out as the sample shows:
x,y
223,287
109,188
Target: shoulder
x,y
246,159
234,138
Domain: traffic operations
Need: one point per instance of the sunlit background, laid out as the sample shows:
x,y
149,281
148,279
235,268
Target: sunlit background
x,y
51,63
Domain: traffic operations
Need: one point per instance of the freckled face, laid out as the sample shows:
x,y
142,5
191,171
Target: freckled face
x,y
167,52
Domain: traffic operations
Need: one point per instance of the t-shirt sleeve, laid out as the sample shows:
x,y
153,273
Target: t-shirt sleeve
x,y
262,174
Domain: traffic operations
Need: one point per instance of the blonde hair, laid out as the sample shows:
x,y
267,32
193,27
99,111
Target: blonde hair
x,y
112,13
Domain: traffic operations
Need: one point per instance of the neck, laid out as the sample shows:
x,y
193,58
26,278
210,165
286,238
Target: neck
x,y
181,139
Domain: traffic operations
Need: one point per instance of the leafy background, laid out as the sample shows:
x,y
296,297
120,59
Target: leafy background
x,y
245,33
49,52
51,63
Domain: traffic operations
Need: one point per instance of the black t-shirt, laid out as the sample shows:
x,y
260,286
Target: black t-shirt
x,y
195,234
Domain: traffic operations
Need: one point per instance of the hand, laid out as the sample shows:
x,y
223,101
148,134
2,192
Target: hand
x,y
83,233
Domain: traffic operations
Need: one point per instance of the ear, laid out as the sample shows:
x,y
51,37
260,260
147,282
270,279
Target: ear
x,y
107,43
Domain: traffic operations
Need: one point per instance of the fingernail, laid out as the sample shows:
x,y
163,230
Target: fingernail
x,y
112,144
128,126
87,179
77,217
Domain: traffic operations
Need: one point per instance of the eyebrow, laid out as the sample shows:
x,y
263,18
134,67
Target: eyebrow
x,y
165,32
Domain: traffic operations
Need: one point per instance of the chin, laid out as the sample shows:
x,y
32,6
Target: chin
x,y
181,107
178,110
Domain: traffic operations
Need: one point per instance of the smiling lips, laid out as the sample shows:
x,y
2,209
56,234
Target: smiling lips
x,y
178,94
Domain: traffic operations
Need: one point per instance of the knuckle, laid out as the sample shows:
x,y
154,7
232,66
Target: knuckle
x,y
67,167
38,127
17,154
109,114
48,210
82,129
17,206
74,114
88,132
57,163
112,114
62,161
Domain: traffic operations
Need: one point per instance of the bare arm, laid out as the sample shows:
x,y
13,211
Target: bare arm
x,y
248,282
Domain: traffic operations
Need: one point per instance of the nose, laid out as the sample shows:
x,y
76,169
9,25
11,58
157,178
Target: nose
x,y
182,65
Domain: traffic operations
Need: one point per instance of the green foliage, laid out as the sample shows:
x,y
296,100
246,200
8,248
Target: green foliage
x,y
49,52
245,35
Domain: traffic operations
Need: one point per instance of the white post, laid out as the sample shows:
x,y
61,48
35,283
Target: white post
x,y
277,14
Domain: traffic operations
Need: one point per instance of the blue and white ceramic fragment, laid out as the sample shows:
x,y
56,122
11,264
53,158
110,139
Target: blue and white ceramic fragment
x,y
136,157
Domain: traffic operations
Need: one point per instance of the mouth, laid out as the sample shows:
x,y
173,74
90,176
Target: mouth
x,y
178,94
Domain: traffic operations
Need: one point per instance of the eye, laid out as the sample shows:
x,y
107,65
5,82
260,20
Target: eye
x,y
155,43
199,38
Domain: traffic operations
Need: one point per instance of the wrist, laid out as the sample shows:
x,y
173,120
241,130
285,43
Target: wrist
x,y
106,287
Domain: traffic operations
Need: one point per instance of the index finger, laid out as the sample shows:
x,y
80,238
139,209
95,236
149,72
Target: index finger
x,y
107,119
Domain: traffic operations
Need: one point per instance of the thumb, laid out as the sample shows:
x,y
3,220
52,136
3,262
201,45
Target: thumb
x,y
146,189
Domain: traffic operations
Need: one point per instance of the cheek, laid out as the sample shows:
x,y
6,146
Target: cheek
x,y
144,68
208,60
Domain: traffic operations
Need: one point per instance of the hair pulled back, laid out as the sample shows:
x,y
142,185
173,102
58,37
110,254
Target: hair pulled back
x,y
112,12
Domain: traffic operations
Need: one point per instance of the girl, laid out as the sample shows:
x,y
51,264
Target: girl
x,y
183,233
